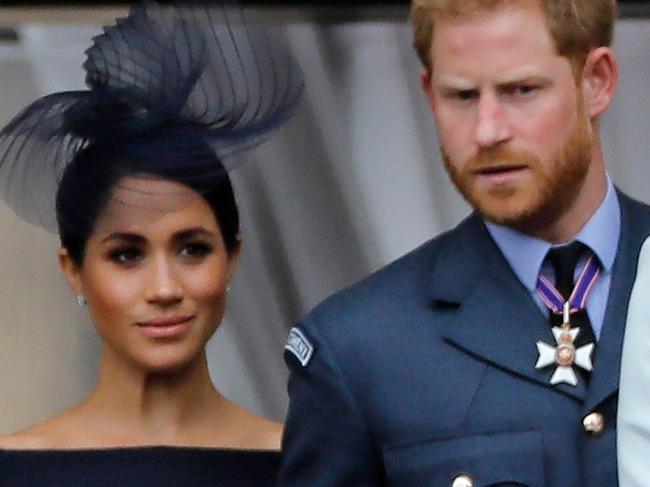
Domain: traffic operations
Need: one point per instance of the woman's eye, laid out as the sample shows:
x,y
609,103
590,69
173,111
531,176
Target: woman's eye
x,y
195,250
126,255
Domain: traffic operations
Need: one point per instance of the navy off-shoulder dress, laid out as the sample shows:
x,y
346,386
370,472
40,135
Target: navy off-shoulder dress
x,y
139,467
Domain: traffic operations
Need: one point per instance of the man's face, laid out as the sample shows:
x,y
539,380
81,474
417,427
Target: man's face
x,y
515,137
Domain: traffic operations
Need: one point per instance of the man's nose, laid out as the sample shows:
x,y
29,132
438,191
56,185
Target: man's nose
x,y
492,125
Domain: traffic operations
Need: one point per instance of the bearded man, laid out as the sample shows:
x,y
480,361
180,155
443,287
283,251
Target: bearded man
x,y
491,354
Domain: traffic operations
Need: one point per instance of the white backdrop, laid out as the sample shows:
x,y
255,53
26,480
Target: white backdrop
x,y
351,183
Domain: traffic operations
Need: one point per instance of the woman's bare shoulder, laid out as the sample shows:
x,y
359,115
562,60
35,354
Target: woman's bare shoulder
x,y
32,438
258,433
267,432
49,434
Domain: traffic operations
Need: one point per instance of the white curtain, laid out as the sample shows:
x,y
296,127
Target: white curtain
x,y
350,184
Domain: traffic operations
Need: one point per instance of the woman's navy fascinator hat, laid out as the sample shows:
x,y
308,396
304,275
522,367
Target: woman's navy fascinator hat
x,y
173,91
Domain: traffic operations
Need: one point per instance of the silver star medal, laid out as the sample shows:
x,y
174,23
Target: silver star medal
x,y
565,354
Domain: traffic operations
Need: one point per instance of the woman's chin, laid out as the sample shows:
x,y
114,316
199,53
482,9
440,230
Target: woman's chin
x,y
167,362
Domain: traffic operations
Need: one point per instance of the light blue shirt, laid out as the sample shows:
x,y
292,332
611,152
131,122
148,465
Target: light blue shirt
x,y
601,234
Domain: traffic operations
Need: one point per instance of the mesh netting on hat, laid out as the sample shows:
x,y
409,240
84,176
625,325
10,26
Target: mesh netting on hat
x,y
172,90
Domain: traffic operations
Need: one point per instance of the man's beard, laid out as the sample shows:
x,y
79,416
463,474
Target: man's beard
x,y
534,205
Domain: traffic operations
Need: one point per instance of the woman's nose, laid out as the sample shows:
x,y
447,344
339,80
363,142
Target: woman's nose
x,y
163,286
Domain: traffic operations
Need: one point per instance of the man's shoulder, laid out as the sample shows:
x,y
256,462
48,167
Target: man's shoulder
x,y
395,286
635,222
633,206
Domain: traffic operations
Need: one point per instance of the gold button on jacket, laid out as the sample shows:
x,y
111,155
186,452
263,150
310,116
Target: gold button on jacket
x,y
462,481
594,423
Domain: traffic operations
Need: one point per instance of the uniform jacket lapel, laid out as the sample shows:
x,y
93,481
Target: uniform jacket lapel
x,y
635,226
497,320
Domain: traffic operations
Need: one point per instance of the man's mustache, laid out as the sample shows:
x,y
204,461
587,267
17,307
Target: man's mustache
x,y
499,159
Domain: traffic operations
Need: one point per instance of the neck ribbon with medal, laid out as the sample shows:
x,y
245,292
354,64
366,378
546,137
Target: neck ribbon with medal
x,y
565,354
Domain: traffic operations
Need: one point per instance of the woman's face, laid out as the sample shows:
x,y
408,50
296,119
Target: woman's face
x,y
155,273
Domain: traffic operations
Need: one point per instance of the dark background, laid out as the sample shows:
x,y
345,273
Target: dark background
x,y
628,8
320,3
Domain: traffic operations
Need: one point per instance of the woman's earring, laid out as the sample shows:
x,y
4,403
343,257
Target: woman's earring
x,y
81,301
228,289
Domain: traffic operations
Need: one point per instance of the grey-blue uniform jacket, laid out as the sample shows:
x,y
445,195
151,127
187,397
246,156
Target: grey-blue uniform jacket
x,y
425,371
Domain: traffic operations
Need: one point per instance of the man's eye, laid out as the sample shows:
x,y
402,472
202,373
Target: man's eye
x,y
466,95
196,250
126,255
526,89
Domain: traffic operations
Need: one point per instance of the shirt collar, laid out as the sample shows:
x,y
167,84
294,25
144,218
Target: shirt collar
x,y
525,254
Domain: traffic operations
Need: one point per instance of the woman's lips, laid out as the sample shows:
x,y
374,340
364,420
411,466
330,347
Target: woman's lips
x,y
165,327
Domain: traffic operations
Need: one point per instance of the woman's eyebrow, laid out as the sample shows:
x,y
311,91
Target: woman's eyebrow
x,y
193,232
124,236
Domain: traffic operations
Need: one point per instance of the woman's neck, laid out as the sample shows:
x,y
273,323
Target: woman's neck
x,y
139,406
132,407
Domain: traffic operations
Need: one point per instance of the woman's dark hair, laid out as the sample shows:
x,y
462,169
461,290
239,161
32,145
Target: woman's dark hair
x,y
89,180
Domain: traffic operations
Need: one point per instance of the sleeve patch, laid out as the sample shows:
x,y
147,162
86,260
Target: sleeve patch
x,y
299,346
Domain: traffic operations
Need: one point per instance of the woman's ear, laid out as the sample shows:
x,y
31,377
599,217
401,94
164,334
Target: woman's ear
x,y
599,80
233,257
71,271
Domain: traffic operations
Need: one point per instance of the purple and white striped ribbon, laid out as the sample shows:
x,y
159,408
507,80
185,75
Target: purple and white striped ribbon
x,y
554,300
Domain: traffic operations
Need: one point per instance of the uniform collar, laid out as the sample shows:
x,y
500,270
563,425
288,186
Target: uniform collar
x,y
525,254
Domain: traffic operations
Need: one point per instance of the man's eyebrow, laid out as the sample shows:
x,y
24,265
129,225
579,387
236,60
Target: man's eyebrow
x,y
456,84
515,77
533,78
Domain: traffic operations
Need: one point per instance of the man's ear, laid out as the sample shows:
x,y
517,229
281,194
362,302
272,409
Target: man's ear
x,y
71,271
599,80
427,86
